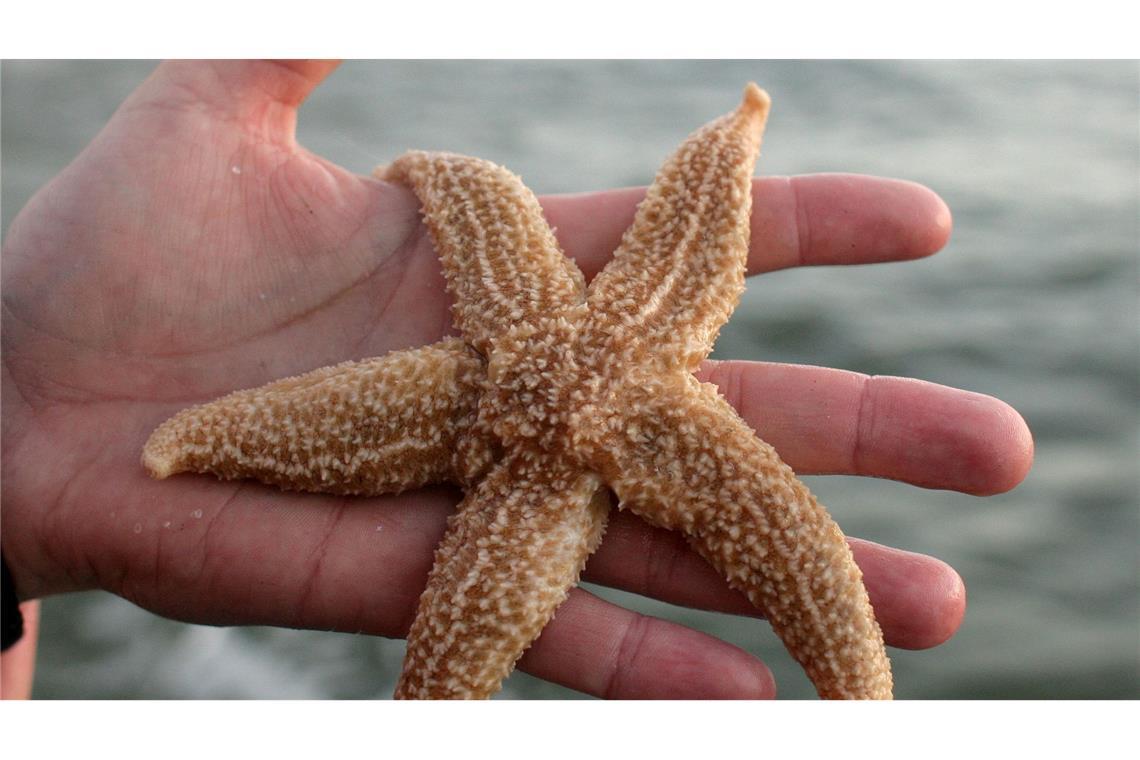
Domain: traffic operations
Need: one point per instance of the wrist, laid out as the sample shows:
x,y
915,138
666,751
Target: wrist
x,y
33,567
34,563
39,544
11,619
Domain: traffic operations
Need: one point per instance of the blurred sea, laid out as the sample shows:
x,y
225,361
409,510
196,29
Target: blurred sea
x,y
1034,301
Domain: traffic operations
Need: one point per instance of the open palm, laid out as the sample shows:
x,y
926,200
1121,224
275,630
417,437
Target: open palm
x,y
194,248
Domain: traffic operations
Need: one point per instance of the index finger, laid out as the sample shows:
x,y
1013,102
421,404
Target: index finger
x,y
804,220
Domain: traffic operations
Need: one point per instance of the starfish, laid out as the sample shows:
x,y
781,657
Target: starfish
x,y
556,395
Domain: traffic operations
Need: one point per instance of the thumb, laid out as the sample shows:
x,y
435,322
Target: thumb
x,y
260,96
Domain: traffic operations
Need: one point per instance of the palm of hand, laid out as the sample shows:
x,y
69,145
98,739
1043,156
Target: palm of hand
x,y
231,257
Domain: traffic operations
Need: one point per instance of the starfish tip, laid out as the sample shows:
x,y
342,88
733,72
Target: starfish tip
x,y
756,98
158,464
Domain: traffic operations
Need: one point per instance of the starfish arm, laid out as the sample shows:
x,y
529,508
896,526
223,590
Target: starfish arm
x,y
511,553
502,262
679,270
680,457
376,426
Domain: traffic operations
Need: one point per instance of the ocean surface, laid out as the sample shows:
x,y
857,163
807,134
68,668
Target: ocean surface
x,y
1035,301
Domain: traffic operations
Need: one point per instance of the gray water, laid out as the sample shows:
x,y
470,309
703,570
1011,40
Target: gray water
x,y
1035,301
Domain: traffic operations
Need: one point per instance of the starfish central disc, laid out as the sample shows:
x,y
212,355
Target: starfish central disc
x,y
539,386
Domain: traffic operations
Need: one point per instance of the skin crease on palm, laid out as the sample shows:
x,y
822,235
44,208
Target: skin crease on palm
x,y
195,248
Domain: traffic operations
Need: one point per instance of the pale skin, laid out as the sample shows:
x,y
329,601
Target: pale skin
x,y
151,275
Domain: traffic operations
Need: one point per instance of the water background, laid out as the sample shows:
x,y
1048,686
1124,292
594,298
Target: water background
x,y
1035,301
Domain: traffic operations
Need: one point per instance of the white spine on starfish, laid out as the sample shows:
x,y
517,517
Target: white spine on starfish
x,y
679,456
511,553
501,260
369,427
679,271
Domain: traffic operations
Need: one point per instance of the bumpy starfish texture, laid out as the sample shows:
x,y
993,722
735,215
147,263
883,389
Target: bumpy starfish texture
x,y
556,395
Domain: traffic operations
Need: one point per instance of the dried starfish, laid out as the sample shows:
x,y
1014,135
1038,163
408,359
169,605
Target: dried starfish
x,y
556,392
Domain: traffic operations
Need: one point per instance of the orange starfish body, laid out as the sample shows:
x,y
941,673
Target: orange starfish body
x,y
557,394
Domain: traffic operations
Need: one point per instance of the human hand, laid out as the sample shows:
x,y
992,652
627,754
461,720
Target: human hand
x,y
194,248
